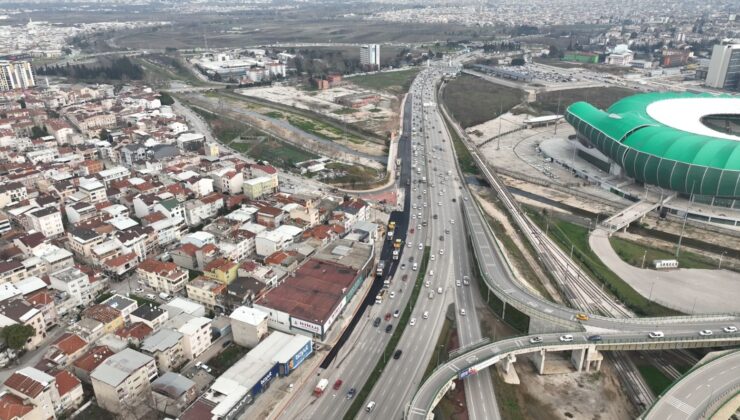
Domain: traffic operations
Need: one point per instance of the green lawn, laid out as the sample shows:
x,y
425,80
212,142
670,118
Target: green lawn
x,y
633,252
464,158
227,358
600,97
321,130
573,237
472,100
394,82
357,176
655,379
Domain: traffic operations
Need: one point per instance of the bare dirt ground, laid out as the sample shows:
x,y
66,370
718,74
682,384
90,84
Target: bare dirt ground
x,y
579,396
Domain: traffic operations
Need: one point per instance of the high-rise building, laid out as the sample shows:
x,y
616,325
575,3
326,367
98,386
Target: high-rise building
x,y
370,55
16,75
724,68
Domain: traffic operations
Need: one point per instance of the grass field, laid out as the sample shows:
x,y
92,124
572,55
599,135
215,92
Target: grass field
x,y
633,252
573,237
655,379
472,100
394,82
601,97
227,358
464,158
357,176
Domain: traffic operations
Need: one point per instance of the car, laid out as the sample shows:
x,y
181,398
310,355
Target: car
x,y
403,266
730,329
594,338
421,246
439,290
566,338
226,344
409,245
397,354
431,258
393,294
535,340
351,393
139,290
198,364
387,316
705,333
466,280
413,216
412,322
396,313
454,200
388,328
411,230
439,203
428,283
337,384
582,317
425,315
376,322
462,311
447,231
425,204
452,221
435,217
656,334
441,252
206,368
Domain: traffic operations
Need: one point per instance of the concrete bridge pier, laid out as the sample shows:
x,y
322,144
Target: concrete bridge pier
x,y
538,358
586,358
508,363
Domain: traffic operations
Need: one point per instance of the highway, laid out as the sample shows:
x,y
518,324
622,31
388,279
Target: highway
x,y
615,320
359,354
700,392
441,191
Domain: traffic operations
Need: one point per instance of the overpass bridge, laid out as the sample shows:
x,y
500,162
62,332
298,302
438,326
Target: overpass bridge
x,y
619,329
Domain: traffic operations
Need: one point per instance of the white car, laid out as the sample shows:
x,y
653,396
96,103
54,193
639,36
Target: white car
x,y
535,340
412,322
393,294
425,204
439,203
566,338
441,252
431,272
409,245
452,221
428,283
439,290
457,283
705,333
426,315
730,329
656,334
462,311
421,246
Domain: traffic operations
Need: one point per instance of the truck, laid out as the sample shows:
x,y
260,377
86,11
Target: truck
x,y
397,244
380,269
391,229
164,296
320,387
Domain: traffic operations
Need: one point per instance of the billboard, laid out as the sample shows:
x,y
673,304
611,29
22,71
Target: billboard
x,y
264,382
305,325
302,355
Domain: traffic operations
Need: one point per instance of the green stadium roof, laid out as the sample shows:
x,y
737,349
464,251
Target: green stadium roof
x,y
658,138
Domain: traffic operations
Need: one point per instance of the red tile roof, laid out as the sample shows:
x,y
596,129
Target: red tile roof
x,y
24,385
94,357
102,313
220,264
70,343
41,298
66,382
121,259
137,330
12,407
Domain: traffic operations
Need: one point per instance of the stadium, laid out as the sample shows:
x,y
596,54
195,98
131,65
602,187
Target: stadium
x,y
683,142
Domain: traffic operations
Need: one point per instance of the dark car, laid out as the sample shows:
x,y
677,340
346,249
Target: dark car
x,y
441,238
226,343
594,338
397,354
376,322
351,393
454,200
388,328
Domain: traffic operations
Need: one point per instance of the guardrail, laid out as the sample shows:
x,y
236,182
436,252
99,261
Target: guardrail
x,y
463,362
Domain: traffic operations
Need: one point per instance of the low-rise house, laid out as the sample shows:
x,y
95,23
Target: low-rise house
x,y
111,319
123,304
206,291
19,311
173,393
89,361
38,387
66,349
221,270
69,389
196,331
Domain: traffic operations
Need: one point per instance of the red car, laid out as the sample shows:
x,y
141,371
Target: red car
x,y
387,316
411,230
338,384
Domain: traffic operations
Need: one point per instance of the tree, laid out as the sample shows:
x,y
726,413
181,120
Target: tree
x,y
103,135
37,132
16,335
517,62
165,99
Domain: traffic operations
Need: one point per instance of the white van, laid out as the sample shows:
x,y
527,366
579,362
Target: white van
x,y
414,267
370,406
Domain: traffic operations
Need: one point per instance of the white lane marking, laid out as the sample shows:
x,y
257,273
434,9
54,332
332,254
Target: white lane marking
x,y
680,405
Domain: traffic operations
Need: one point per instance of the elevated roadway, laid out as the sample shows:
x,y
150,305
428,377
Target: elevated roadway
x,y
620,331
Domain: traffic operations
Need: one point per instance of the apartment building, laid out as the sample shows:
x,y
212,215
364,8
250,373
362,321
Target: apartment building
x,y
161,276
166,346
150,315
19,311
75,283
123,381
206,291
16,75
38,387
47,220
196,331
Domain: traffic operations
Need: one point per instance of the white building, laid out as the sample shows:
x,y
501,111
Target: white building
x,y
248,326
370,55
47,220
269,242
724,67
75,283
16,75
